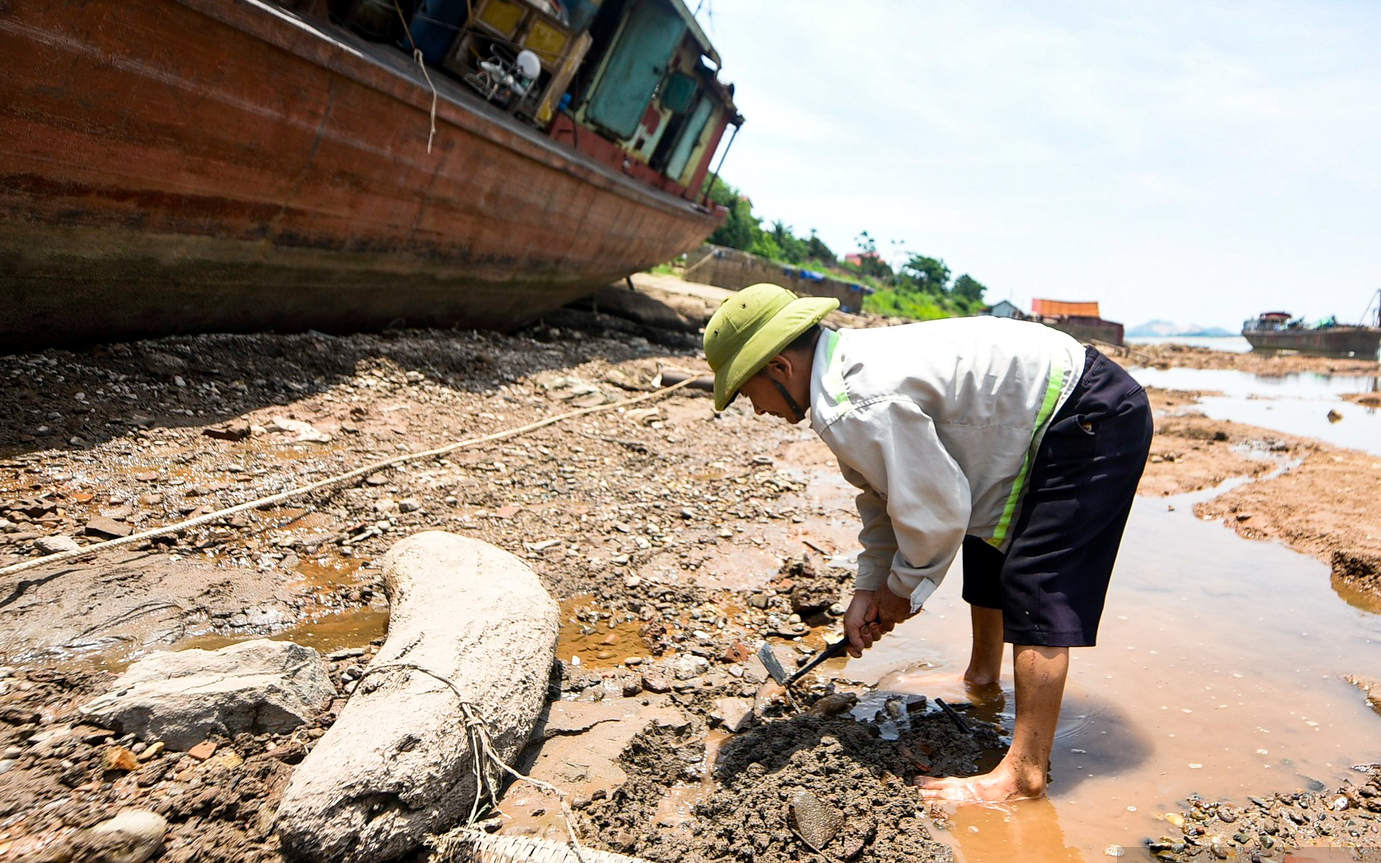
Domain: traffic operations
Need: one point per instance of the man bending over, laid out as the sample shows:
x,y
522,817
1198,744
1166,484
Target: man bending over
x,y
1006,438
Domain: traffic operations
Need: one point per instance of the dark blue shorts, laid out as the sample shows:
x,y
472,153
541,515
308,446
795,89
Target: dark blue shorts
x,y
1053,580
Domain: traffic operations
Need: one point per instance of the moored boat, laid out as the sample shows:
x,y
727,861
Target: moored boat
x,y
177,166
1281,331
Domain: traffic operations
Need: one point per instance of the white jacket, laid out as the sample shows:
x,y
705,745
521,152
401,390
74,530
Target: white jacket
x,y
936,422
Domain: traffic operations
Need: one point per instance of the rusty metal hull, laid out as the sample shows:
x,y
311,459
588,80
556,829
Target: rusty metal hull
x,y
175,166
1329,341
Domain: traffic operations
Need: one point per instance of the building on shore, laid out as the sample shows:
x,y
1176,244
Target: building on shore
x,y
1081,320
1006,309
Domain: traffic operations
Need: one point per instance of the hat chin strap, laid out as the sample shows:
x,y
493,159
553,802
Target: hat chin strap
x,y
790,402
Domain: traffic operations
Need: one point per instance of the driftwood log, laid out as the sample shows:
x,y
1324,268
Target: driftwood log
x,y
460,680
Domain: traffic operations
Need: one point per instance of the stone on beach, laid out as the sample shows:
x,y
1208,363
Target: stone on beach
x,y
181,698
56,544
132,836
398,764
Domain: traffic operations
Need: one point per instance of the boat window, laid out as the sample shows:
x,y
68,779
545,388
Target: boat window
x,y
677,92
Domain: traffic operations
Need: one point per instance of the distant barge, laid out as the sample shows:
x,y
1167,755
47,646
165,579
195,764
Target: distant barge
x,y
176,166
1281,331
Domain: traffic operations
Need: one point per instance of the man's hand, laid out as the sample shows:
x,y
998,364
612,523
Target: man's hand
x,y
860,622
892,609
871,614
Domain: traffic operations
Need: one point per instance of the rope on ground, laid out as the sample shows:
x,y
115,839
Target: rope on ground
x,y
468,844
97,548
487,765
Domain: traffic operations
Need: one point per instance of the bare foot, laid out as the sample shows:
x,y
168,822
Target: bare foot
x,y
1000,786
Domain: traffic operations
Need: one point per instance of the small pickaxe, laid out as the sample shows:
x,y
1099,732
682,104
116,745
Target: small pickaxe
x,y
779,674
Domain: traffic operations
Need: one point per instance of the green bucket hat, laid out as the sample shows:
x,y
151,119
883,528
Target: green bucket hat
x,y
752,327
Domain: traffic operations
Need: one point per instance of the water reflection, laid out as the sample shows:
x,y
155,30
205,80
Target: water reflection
x,y
1027,830
1308,405
1355,596
1220,671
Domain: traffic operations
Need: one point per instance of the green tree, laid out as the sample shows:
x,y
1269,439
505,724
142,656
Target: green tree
x,y
928,274
740,228
794,250
870,263
970,289
764,245
816,250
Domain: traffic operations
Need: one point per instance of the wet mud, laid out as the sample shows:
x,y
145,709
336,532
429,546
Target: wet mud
x,y
795,786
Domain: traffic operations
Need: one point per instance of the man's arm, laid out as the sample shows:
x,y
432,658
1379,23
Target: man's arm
x,y
914,504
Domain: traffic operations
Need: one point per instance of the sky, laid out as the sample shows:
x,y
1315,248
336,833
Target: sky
x,y
1199,162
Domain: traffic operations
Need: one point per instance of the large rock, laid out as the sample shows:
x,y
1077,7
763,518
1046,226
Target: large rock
x,y
180,698
398,763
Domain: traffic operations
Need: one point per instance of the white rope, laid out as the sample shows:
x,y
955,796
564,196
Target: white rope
x,y
417,55
472,846
485,758
97,548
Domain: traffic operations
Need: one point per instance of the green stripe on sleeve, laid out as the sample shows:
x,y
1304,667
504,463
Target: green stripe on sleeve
x,y
833,379
1053,389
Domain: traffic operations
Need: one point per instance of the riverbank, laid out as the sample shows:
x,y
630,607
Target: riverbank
x,y
675,539
1316,498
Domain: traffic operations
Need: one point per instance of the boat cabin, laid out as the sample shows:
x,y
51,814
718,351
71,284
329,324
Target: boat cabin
x,y
633,84
1271,321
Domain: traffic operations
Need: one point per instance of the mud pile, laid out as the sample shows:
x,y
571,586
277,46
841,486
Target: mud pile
x,y
794,786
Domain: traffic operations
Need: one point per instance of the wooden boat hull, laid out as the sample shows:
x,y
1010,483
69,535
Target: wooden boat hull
x,y
1330,341
175,166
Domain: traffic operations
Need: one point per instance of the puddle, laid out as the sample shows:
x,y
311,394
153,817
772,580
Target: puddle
x,y
326,574
593,637
332,632
1356,597
1297,404
1219,672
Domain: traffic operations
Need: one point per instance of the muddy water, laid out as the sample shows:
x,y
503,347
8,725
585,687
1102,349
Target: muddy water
x,y
596,638
323,627
1219,672
353,628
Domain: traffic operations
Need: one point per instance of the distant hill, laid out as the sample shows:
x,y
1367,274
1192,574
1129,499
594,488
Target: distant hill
x,y
1166,329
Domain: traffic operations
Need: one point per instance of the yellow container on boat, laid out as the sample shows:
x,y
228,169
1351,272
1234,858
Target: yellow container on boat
x,y
502,16
547,41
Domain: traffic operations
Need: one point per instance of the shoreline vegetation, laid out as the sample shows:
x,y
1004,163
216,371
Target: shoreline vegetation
x,y
902,283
